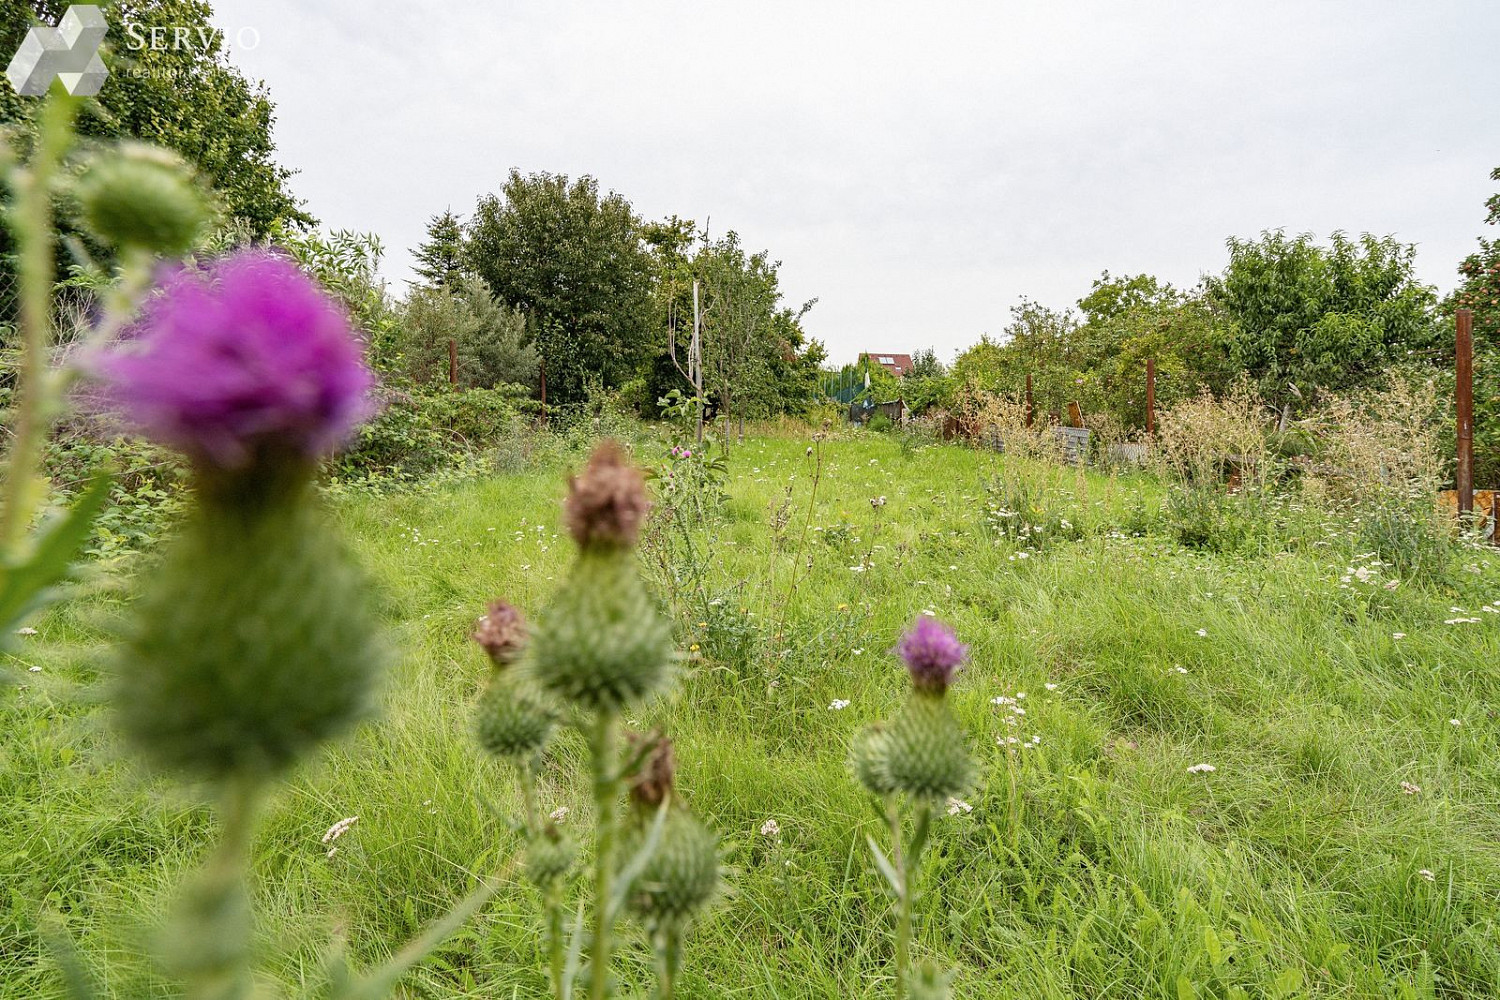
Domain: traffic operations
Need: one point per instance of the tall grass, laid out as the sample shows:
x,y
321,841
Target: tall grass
x,y
1095,862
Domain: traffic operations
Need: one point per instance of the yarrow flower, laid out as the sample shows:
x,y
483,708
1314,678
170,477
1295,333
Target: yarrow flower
x,y
932,654
246,354
1202,769
770,828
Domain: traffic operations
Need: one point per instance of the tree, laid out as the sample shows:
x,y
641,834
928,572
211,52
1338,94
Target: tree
x,y
491,338
440,258
186,97
1301,319
574,262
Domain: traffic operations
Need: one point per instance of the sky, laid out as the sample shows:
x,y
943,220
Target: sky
x,y
916,167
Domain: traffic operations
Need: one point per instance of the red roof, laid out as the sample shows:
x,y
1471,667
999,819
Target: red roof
x,y
896,364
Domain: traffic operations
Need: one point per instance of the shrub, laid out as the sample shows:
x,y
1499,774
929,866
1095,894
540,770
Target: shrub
x,y
420,431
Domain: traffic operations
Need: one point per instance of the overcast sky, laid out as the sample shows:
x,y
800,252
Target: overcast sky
x,y
917,167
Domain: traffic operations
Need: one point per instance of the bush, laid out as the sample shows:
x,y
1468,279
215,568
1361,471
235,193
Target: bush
x,y
422,430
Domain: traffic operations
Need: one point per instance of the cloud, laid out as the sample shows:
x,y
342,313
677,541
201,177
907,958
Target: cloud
x,y
915,167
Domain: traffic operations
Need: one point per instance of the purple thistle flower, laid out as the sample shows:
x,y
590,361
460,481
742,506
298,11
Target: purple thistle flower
x,y
932,654
247,355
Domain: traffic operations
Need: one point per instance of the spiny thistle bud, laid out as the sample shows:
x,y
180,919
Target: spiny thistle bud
x,y
141,196
253,642
925,750
549,856
928,984
651,784
501,633
603,644
869,759
606,505
932,654
682,876
512,719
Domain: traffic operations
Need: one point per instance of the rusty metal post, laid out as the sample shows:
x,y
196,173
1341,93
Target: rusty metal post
x,y
1029,409
1463,369
1151,396
453,362
1495,517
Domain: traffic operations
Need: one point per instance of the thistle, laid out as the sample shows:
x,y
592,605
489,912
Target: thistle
x,y
681,875
140,197
253,642
601,646
919,758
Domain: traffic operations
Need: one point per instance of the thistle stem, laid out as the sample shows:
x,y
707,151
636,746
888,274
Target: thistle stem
x,y
903,900
605,749
213,929
34,237
555,946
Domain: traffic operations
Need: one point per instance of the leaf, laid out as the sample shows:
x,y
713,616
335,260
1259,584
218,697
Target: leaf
x,y
884,865
378,984
25,586
1185,989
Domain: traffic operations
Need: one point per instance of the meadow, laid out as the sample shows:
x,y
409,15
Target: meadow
x,y
1270,772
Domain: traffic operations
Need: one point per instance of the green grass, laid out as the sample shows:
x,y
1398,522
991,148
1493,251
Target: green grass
x,y
1093,864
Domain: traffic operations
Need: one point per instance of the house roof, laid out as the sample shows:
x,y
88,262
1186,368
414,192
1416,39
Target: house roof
x,y
897,364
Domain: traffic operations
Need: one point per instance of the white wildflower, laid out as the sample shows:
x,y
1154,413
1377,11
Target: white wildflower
x,y
1202,769
770,828
956,806
838,704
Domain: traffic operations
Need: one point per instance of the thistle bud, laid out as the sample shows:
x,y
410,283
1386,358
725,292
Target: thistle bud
x,y
607,504
682,876
141,197
603,644
869,760
925,751
512,719
501,633
254,641
549,856
651,785
928,984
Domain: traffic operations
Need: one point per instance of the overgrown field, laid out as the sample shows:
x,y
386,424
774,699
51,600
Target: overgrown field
x,y
1272,772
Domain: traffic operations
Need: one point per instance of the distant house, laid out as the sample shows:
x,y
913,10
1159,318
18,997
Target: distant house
x,y
896,364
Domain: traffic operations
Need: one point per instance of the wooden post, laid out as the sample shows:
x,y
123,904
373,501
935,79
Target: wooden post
x,y
1151,397
541,364
695,359
1463,369
1495,517
1029,410
453,362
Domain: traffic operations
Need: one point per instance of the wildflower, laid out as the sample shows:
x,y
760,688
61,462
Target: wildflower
x,y
607,503
838,704
246,357
857,652
558,815
1398,635
336,831
1407,788
932,654
957,806
1202,769
34,670
1050,686
1427,875
501,633
770,828
26,631
1202,632
843,607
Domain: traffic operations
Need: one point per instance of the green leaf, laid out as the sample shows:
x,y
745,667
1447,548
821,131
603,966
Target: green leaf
x,y
884,865
26,585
